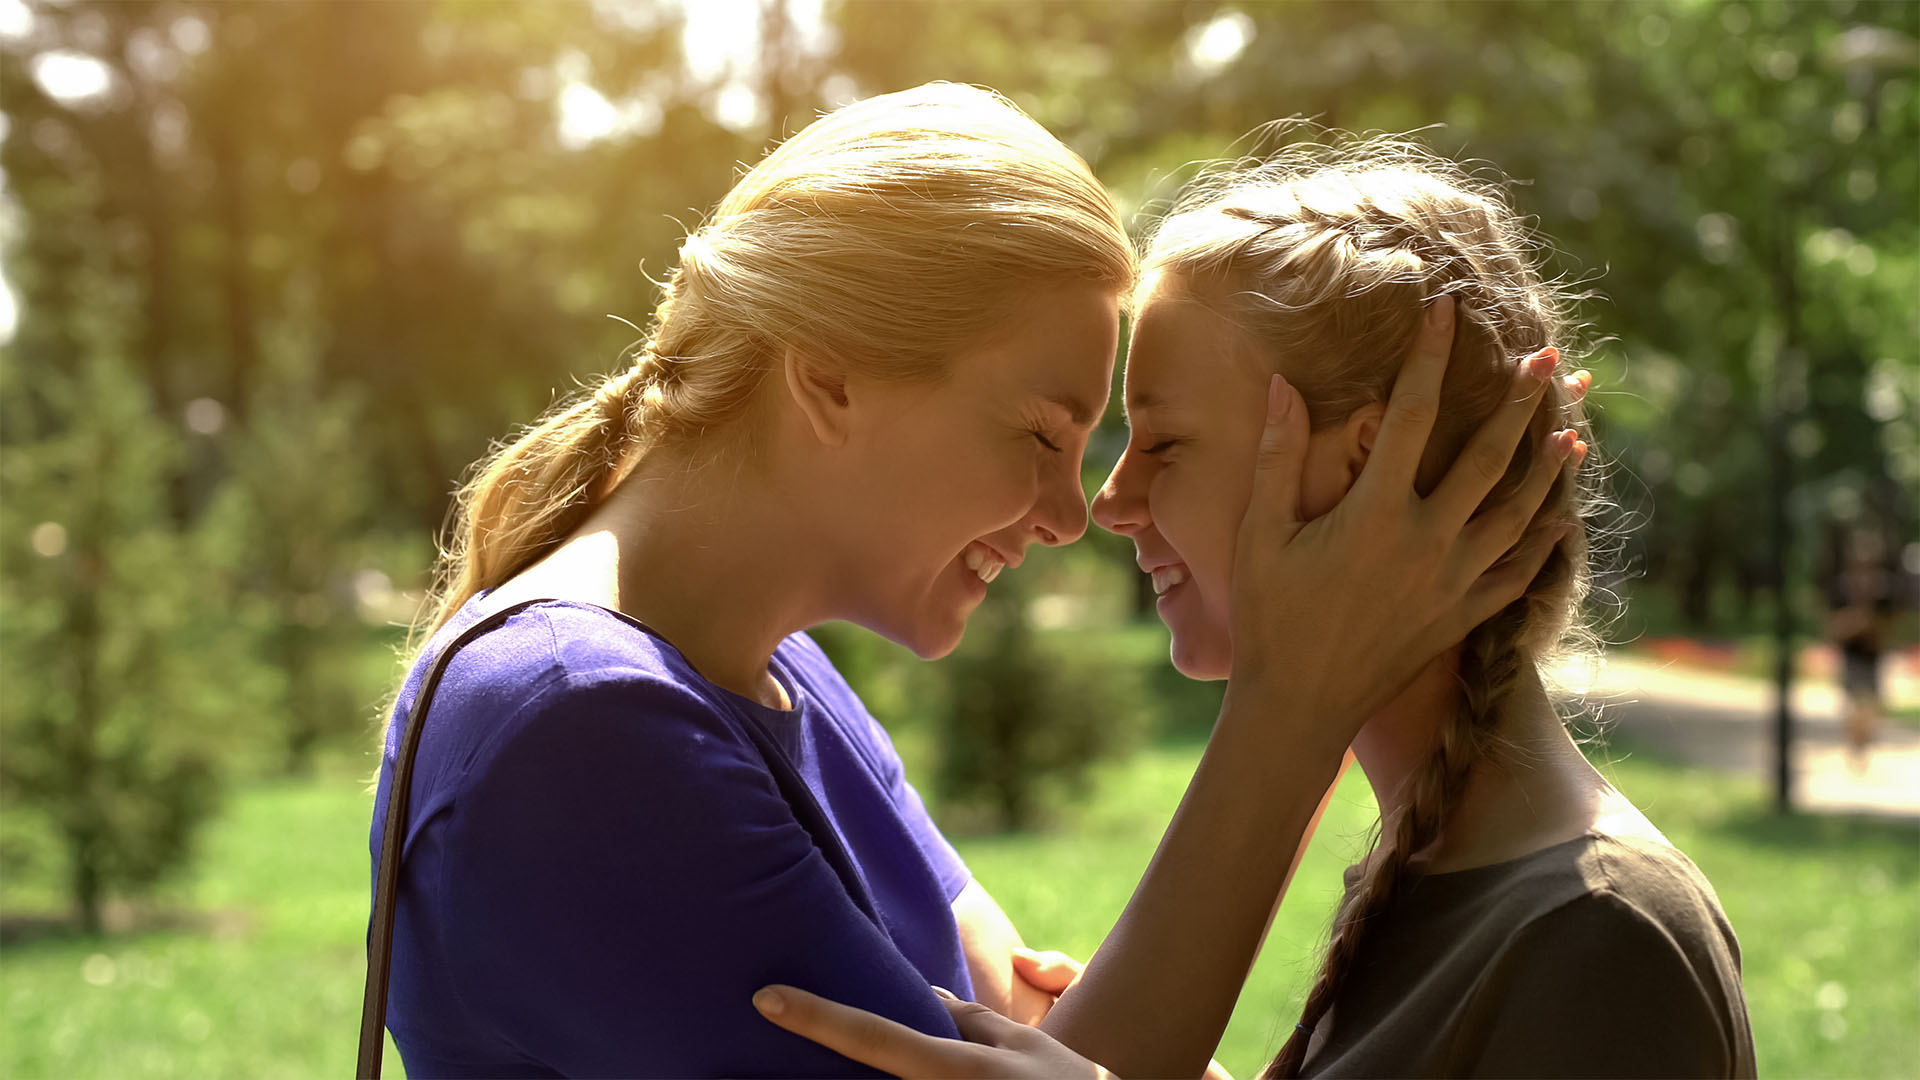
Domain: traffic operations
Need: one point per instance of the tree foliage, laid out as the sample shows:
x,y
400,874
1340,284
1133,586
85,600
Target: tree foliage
x,y
374,237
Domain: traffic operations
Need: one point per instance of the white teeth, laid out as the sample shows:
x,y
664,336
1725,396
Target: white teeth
x,y
984,563
1167,577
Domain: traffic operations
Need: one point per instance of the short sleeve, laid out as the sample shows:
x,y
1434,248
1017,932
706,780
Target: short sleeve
x,y
622,873
1597,988
877,747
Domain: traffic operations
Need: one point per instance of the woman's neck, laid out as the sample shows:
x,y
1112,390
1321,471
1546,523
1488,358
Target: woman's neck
x,y
1532,790
709,566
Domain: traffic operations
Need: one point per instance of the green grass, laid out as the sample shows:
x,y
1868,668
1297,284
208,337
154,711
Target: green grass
x,y
1828,913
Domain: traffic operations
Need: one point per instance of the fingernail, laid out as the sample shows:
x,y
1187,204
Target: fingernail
x,y
770,1002
1541,364
1563,443
945,993
1440,312
1579,452
1279,402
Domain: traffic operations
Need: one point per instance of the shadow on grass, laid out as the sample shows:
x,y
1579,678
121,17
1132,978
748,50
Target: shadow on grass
x,y
119,920
1751,821
1894,845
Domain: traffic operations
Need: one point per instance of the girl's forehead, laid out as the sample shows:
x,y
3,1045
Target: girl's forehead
x,y
1180,355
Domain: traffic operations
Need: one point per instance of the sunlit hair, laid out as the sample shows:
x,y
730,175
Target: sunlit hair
x,y
1326,256
884,238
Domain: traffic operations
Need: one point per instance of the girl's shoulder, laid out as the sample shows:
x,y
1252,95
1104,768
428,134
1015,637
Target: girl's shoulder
x,y
1642,871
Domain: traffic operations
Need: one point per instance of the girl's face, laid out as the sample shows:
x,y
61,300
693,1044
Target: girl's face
x,y
954,480
1196,401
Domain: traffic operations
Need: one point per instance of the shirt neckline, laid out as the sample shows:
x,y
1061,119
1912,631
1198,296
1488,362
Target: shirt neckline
x,y
776,666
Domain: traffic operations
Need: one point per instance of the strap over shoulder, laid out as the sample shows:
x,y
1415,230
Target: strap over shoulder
x,y
373,1008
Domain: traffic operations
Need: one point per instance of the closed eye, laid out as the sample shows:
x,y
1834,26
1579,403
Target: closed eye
x,y
1160,447
1046,442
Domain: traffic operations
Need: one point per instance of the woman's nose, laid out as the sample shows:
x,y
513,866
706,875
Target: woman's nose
x,y
1060,517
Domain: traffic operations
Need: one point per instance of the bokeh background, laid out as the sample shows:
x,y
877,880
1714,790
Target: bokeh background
x,y
275,273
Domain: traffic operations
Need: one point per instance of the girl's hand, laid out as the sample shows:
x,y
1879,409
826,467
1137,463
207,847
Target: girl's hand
x,y
995,1046
1052,973
1341,612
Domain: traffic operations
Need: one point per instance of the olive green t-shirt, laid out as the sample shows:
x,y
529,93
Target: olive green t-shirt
x,y
1597,957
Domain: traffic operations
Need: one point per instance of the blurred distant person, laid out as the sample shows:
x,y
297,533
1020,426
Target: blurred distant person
x,y
1860,606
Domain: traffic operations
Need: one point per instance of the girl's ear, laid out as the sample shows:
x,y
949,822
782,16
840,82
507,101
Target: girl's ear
x,y
819,391
1356,438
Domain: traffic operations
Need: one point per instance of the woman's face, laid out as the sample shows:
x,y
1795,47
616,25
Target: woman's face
x,y
954,480
1196,400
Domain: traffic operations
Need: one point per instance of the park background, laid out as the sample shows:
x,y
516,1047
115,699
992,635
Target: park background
x,y
275,273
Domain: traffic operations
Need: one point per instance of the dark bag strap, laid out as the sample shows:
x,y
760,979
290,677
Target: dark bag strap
x,y
373,1009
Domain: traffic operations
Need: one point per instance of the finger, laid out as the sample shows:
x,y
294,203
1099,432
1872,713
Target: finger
x,y
1415,402
1484,461
1497,528
1282,456
1577,385
863,1036
1506,581
1050,971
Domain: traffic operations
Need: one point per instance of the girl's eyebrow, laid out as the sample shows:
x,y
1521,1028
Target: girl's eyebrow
x,y
1142,401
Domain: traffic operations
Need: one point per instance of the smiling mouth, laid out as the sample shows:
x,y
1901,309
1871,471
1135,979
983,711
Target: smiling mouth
x,y
1166,577
984,562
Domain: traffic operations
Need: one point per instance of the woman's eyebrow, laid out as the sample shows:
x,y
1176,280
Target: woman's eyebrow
x,y
1082,413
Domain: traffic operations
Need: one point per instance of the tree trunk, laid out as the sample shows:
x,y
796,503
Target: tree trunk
x,y
228,150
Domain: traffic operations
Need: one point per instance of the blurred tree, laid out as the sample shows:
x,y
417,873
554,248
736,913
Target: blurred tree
x,y
1742,173
109,643
1023,720
291,521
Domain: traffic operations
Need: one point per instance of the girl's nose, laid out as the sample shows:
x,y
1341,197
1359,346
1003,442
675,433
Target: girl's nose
x,y
1119,508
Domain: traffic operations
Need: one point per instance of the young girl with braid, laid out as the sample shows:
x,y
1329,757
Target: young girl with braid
x,y
1517,915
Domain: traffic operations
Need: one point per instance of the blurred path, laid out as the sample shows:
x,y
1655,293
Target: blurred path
x,y
1725,721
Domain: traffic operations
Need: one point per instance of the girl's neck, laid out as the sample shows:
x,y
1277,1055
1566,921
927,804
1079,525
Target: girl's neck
x,y
1532,790
707,565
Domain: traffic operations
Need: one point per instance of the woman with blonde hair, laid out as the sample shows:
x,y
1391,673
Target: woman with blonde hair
x,y
1517,916
639,791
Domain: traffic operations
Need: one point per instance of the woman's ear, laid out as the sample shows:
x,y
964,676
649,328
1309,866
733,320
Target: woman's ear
x,y
819,391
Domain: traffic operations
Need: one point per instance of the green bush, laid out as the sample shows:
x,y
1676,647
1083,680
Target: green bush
x,y
1022,718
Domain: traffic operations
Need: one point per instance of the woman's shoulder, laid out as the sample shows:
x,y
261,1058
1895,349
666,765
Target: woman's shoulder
x,y
538,643
551,657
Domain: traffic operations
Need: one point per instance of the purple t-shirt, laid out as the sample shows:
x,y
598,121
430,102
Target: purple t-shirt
x,y
606,855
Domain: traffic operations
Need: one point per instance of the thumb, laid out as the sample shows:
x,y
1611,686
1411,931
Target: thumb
x,y
1283,455
1050,971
